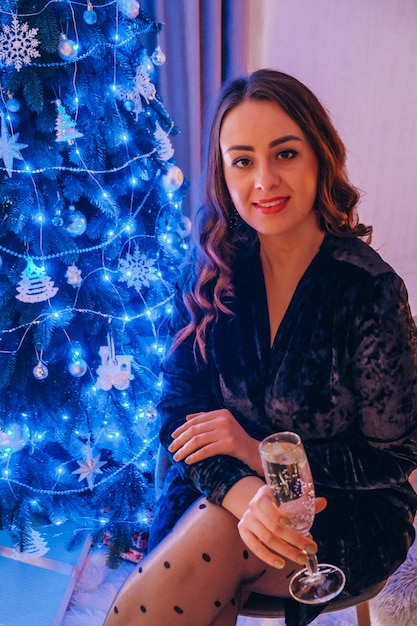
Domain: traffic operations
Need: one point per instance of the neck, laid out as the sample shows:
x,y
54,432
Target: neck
x,y
284,254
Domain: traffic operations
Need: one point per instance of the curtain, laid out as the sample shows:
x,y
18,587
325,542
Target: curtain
x,y
205,42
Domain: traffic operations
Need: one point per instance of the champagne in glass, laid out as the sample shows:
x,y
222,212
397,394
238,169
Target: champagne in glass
x,y
288,474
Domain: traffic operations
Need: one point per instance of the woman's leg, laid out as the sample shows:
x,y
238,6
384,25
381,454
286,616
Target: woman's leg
x,y
199,575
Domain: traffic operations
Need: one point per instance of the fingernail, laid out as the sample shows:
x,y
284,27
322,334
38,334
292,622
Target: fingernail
x,y
302,560
312,549
170,447
175,457
284,521
279,564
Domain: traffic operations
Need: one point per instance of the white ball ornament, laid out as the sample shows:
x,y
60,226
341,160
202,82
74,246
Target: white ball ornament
x,y
172,179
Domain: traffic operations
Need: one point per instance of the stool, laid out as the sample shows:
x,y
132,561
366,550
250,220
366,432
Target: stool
x,y
260,606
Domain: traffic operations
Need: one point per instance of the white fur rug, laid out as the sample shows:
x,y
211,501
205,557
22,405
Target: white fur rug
x,y
396,605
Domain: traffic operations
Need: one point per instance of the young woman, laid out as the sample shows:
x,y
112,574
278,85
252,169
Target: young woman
x,y
285,319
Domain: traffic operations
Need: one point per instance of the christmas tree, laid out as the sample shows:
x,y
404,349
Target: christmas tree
x,y
92,235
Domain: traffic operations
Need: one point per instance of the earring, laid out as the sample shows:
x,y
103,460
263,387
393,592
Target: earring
x,y
233,219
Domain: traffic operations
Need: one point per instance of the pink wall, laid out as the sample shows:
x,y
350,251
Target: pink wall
x,y
360,58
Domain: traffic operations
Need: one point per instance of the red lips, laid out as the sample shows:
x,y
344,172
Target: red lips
x,y
272,205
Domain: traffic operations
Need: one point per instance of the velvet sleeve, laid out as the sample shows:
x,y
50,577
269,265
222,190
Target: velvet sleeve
x,y
380,449
189,386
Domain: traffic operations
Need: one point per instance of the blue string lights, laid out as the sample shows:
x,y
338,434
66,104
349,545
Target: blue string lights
x,y
92,236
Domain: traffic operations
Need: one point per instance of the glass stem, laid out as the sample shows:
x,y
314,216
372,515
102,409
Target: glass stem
x,y
312,564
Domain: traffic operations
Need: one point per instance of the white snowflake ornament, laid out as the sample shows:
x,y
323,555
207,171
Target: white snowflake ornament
x,y
18,44
137,270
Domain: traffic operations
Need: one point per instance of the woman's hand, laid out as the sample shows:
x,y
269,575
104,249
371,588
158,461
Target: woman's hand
x,y
208,434
267,532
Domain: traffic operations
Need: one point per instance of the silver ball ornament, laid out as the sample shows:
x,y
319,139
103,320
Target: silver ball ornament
x,y
14,437
147,64
40,371
57,218
90,16
172,179
67,49
129,8
77,368
173,245
13,105
74,222
158,56
129,105
172,229
184,226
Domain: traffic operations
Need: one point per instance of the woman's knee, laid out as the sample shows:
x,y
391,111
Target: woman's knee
x,y
209,521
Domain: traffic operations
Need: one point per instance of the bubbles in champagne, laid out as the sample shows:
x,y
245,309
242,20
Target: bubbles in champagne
x,y
289,477
301,511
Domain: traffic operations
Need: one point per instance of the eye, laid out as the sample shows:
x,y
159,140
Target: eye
x,y
286,155
241,162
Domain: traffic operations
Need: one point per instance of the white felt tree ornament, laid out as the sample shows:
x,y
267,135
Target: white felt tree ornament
x,y
65,126
35,285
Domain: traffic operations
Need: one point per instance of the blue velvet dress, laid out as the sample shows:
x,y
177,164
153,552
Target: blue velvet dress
x,y
342,373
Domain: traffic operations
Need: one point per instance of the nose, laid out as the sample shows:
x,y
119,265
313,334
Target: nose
x,y
265,176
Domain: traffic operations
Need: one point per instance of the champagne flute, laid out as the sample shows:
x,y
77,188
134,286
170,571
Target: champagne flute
x,y
288,474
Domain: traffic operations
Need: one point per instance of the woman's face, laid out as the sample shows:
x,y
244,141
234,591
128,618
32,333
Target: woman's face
x,y
270,169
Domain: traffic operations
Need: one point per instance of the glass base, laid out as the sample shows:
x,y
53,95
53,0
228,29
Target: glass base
x,y
317,588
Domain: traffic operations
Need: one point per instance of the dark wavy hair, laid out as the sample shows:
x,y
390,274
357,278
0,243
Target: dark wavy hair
x,y
215,246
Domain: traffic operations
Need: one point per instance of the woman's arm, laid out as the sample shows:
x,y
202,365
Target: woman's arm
x,y
264,528
188,389
213,433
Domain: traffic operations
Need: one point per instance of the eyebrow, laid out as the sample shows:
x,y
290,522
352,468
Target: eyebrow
x,y
275,142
